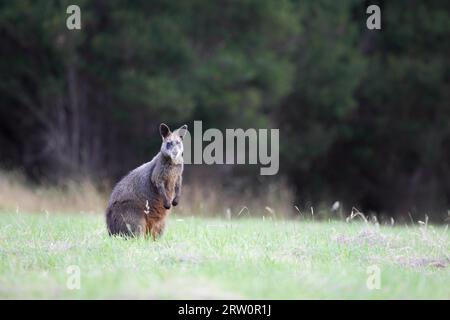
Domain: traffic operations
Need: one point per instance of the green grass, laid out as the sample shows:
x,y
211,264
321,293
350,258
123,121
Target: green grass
x,y
201,258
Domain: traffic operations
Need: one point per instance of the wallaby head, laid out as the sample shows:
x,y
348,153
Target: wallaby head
x,y
172,143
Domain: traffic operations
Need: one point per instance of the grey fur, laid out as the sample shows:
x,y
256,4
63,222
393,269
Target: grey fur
x,y
139,203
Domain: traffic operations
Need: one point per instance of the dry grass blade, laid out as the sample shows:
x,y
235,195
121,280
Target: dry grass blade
x,y
244,209
356,213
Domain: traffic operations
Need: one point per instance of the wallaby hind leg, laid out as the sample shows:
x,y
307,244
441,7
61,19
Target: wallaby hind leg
x,y
156,228
125,219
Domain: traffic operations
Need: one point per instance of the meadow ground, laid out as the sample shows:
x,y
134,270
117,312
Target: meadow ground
x,y
206,258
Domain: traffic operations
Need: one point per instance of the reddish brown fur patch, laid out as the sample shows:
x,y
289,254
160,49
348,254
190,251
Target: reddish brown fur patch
x,y
155,218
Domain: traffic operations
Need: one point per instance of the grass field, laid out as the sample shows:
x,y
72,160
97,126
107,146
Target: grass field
x,y
200,258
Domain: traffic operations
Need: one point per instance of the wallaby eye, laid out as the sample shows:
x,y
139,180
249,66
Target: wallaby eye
x,y
169,144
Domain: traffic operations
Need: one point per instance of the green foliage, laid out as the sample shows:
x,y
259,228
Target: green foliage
x,y
364,115
369,117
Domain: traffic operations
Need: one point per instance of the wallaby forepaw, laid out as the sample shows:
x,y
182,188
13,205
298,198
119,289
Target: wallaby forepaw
x,y
167,205
175,202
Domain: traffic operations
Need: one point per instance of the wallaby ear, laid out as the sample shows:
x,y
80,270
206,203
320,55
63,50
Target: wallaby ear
x,y
164,130
182,131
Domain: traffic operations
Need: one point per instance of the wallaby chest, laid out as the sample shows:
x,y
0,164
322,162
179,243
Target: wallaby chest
x,y
168,175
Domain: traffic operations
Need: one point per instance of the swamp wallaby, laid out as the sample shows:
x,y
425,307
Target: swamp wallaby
x,y
139,203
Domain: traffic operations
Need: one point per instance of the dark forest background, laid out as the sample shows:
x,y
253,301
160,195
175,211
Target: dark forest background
x,y
364,115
